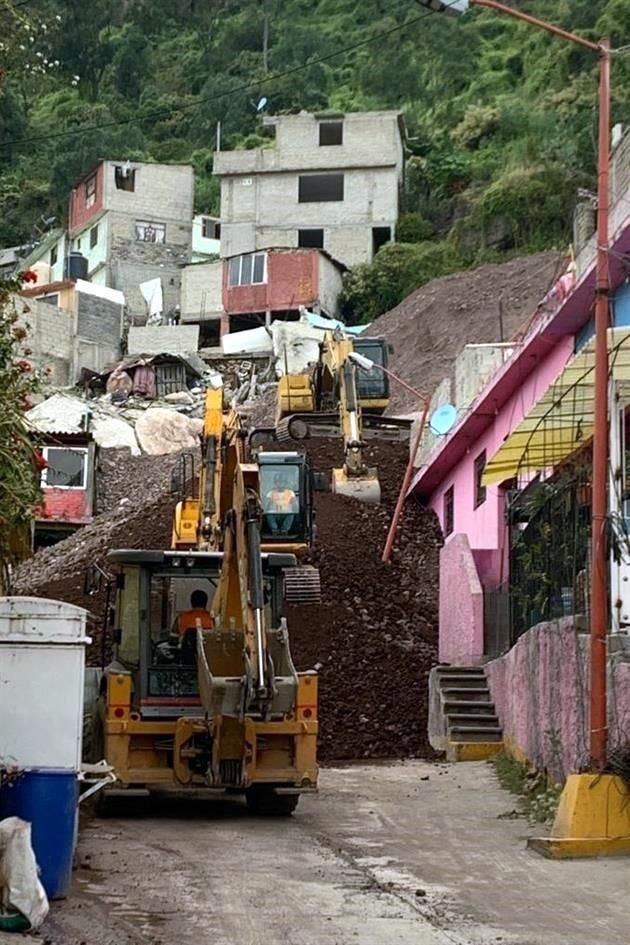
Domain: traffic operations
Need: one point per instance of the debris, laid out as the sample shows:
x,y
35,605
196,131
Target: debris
x,y
165,431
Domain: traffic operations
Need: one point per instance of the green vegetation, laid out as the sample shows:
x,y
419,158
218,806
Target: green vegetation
x,y
19,477
501,118
538,796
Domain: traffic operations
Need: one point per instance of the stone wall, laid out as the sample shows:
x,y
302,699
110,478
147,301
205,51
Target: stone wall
x,y
541,688
157,339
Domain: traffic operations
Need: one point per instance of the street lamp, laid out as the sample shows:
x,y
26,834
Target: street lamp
x,y
368,365
599,601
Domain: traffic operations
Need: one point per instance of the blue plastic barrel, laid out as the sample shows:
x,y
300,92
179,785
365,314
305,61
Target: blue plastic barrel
x,y
47,799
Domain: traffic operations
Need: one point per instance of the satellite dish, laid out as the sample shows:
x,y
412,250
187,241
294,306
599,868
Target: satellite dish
x,y
442,419
261,104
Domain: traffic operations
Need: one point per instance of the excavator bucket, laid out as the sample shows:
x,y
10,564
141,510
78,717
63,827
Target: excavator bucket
x,y
365,488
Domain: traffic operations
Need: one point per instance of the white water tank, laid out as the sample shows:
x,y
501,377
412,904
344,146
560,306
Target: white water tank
x,y
42,668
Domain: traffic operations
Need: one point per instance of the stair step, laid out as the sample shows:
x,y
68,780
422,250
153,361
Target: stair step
x,y
475,733
481,720
473,695
464,679
461,670
478,707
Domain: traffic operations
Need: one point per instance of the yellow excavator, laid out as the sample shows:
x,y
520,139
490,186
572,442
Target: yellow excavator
x,y
210,698
340,396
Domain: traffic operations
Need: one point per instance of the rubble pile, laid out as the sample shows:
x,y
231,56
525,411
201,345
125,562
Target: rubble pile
x,y
373,638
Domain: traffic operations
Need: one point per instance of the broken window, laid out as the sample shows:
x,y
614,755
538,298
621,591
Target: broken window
x,y
66,469
125,177
248,269
311,239
90,191
380,236
148,232
318,188
448,523
93,237
330,132
480,489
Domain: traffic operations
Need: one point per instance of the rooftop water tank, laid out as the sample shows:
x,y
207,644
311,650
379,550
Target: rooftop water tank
x,y
75,266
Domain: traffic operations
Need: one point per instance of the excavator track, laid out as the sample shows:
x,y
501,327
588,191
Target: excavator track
x,y
302,585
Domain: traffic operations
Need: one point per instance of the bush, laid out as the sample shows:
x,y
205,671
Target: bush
x,y
413,228
398,269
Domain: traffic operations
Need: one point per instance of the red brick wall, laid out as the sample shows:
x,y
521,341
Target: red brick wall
x,y
80,215
66,505
292,280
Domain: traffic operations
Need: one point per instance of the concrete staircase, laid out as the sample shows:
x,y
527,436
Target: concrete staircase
x,y
472,727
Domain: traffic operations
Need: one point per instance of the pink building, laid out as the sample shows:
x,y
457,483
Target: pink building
x,y
474,560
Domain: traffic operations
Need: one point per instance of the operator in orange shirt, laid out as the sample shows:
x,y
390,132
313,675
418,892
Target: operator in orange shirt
x,y
281,506
187,620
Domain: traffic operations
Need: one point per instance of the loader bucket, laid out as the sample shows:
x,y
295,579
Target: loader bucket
x,y
365,488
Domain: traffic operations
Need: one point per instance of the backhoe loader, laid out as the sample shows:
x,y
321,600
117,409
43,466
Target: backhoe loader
x,y
218,704
340,397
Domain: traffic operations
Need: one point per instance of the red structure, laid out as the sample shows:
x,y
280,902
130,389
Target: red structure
x,y
86,199
67,485
276,282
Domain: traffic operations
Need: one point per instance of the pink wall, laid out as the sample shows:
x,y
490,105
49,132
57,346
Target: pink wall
x,y
461,605
66,505
541,690
484,526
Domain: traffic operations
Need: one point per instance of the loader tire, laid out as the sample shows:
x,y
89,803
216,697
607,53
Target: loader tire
x,y
264,802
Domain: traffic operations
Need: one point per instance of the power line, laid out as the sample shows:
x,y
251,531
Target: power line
x,y
246,87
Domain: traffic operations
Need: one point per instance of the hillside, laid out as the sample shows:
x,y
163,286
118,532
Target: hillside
x,y
430,327
500,118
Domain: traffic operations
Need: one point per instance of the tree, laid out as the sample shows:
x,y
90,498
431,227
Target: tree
x,y
19,461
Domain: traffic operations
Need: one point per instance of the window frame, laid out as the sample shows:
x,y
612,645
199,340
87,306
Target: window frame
x,y
125,182
90,191
94,236
238,260
302,185
207,223
480,493
327,125
313,245
54,255
448,511
144,225
68,449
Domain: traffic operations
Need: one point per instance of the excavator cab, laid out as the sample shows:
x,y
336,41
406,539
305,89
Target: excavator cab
x,y
286,493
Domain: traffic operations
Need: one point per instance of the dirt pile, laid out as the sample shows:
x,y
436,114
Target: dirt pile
x,y
374,636
431,326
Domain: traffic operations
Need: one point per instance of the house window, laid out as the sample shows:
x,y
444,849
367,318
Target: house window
x,y
480,489
49,299
66,469
125,177
250,269
148,232
90,191
317,188
449,511
53,256
311,239
330,132
93,237
380,236
210,229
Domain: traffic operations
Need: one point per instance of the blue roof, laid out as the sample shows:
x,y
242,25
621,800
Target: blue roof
x,y
329,324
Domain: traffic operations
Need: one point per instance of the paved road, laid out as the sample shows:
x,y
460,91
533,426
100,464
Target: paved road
x,y
412,854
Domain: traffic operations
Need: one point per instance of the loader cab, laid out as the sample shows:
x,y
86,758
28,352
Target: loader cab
x,y
152,589
286,493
